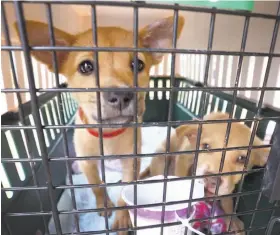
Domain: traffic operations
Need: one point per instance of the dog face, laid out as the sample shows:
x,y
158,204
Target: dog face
x,y
213,137
115,68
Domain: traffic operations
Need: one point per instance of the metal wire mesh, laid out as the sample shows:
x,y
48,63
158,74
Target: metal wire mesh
x,y
57,91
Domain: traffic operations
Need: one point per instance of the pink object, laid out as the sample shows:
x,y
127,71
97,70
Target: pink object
x,y
203,211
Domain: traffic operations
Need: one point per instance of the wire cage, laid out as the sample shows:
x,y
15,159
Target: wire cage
x,y
37,137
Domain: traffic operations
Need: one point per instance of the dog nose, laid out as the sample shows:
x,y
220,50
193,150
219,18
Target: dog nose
x,y
118,99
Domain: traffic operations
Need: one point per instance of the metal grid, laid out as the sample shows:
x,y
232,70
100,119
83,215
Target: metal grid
x,y
45,160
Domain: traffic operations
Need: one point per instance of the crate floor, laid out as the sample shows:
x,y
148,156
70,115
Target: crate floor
x,y
151,138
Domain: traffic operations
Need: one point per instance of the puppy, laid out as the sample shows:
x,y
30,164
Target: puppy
x,y
212,137
115,71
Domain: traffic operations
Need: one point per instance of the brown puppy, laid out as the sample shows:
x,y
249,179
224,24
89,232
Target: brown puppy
x,y
212,137
115,71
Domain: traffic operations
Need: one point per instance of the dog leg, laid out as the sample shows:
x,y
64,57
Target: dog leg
x,y
183,164
236,224
90,169
122,219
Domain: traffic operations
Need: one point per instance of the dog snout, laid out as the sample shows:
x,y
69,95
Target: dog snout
x,y
211,182
118,99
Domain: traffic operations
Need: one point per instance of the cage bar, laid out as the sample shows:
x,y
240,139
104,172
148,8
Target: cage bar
x,y
135,117
237,80
135,155
203,105
172,77
128,49
60,106
99,117
36,114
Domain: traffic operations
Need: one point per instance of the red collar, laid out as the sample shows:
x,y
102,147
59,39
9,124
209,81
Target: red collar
x,y
96,132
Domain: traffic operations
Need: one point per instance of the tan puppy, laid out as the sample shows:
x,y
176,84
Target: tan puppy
x,y
115,71
212,137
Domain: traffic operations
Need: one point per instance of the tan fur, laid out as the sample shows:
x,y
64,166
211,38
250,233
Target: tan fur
x,y
114,71
209,163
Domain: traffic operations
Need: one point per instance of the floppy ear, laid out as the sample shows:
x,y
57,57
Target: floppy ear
x,y
159,35
178,138
260,155
38,35
216,116
190,131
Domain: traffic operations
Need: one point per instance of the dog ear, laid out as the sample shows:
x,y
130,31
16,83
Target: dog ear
x,y
260,155
190,131
159,35
216,116
38,35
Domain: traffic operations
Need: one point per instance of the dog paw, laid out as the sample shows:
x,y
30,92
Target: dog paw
x,y
122,220
101,205
237,225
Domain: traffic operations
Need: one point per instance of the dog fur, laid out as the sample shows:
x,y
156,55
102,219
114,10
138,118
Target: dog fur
x,y
114,72
212,136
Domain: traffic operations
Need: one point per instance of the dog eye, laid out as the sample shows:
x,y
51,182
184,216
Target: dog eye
x,y
140,64
86,67
205,146
241,159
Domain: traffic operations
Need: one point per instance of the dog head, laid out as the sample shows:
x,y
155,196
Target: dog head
x,y
116,69
213,137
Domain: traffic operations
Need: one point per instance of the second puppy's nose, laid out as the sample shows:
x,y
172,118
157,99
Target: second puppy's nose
x,y
118,99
